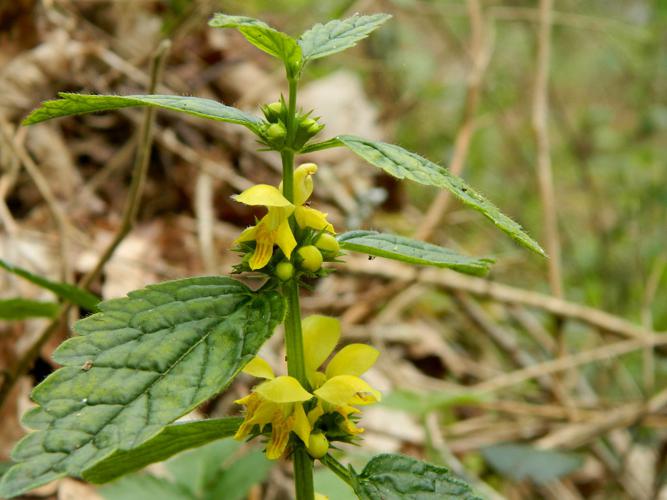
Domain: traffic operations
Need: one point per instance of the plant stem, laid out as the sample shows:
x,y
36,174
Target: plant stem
x,y
303,474
296,367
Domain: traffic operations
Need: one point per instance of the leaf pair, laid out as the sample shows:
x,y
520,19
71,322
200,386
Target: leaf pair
x,y
320,41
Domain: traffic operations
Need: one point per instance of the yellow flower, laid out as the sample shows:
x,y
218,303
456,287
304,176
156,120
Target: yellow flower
x,y
278,402
339,387
303,188
272,229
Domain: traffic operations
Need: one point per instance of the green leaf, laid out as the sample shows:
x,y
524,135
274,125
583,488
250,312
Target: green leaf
x,y
76,104
169,441
423,403
335,36
19,308
397,477
404,164
262,36
144,486
240,476
69,292
391,246
520,461
135,367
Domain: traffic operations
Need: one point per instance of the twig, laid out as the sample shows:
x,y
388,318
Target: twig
x,y
438,443
450,280
139,171
129,217
540,121
568,362
578,434
205,220
650,290
480,56
63,226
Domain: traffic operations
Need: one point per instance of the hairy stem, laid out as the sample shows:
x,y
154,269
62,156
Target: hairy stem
x,y
296,367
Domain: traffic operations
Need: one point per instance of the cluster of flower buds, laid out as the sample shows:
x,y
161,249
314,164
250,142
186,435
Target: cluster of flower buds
x,y
274,132
292,240
327,410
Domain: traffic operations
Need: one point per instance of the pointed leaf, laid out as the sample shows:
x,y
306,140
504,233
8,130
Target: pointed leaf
x,y
405,164
396,477
169,441
391,246
262,36
76,104
135,367
20,308
69,292
335,36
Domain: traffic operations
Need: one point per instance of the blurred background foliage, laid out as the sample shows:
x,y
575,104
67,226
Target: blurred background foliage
x,y
607,124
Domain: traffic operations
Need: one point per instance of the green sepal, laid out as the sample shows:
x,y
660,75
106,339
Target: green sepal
x,y
405,164
138,365
169,441
391,246
77,104
264,37
335,36
67,291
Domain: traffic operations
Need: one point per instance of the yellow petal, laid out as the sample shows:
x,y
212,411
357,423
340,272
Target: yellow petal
x,y
262,194
285,239
315,413
284,389
303,182
347,390
248,234
320,336
319,496
353,359
280,430
302,426
257,367
262,254
309,217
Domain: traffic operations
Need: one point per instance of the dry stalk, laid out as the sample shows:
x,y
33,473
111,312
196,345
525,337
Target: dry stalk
x,y
540,121
480,52
129,218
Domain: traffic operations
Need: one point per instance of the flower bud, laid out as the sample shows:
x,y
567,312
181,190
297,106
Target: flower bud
x,y
284,271
273,111
318,445
311,258
315,128
276,131
328,243
307,123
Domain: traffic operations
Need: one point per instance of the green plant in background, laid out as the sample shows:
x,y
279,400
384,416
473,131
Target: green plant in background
x,y
145,360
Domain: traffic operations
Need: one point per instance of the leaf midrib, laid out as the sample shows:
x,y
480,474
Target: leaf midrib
x,y
147,389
